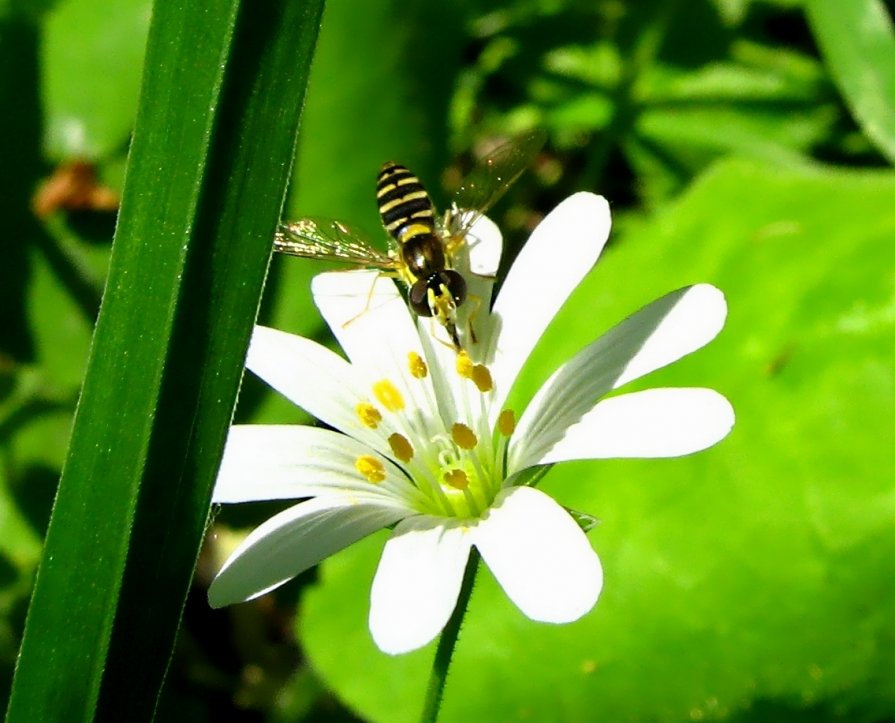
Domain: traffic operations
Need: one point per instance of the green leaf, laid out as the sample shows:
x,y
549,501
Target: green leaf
x,y
221,97
751,579
857,42
92,55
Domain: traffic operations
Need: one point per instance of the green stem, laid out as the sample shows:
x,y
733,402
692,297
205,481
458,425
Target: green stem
x,y
447,642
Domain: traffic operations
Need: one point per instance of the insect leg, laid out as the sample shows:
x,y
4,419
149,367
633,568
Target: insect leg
x,y
381,274
477,301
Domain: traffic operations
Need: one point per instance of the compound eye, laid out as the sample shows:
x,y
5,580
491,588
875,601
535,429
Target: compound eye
x,y
455,284
419,298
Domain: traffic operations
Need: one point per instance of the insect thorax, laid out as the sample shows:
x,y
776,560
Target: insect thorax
x,y
423,255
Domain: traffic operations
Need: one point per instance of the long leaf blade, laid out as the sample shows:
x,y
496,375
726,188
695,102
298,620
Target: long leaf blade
x,y
221,98
858,44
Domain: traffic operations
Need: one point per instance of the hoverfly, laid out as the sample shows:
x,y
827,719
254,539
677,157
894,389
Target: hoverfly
x,y
422,245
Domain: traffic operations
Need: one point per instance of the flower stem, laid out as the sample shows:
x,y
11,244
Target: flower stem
x,y
447,642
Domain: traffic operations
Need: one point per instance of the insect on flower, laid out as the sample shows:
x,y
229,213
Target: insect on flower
x,y
444,447
422,245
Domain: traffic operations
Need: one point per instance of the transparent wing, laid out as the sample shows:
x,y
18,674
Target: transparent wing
x,y
315,238
491,178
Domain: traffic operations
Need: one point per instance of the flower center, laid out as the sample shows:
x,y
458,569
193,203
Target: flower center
x,y
453,462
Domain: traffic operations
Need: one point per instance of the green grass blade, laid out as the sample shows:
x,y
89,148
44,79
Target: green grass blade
x,y
858,44
210,158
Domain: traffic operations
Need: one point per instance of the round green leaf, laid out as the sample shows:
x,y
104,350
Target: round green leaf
x,y
750,580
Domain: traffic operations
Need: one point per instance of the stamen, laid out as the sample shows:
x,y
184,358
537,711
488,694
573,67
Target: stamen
x,y
481,377
370,467
506,422
456,478
368,415
401,446
464,365
388,395
478,374
418,367
463,436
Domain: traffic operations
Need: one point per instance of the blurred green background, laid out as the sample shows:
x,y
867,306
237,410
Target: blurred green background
x,y
745,143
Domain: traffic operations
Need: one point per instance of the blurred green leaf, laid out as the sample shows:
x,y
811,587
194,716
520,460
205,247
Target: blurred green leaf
x,y
222,93
24,10
639,101
752,579
92,56
380,62
761,101
61,332
657,90
21,166
857,42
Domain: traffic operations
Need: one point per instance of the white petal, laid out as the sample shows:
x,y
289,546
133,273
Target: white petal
x,y
447,385
275,462
485,244
652,423
482,254
377,330
477,261
540,556
660,333
295,540
681,322
367,316
561,251
312,377
416,585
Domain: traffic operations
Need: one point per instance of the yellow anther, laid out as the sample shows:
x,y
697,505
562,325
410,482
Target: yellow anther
x,y
463,436
388,395
368,415
457,479
370,467
506,422
464,365
481,377
477,373
401,446
417,366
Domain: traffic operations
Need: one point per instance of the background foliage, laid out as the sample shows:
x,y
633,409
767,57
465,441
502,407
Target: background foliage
x,y
741,142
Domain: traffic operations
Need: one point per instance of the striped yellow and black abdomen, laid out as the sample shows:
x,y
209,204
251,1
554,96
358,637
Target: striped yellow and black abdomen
x,y
404,204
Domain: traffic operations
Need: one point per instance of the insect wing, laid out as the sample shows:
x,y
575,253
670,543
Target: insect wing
x,y
329,240
491,178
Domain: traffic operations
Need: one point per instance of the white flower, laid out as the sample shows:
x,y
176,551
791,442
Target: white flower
x,y
426,443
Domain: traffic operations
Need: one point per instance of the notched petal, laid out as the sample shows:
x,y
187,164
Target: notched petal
x,y
417,583
652,423
561,251
281,462
540,556
295,540
659,334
